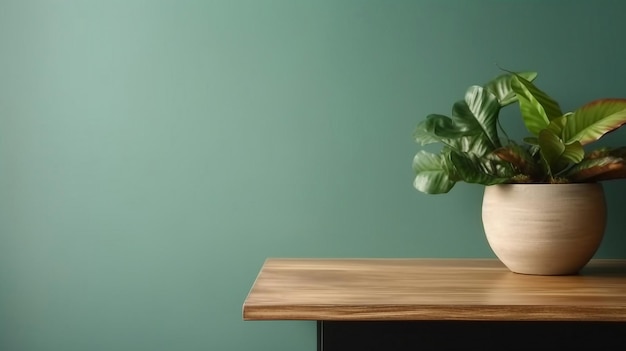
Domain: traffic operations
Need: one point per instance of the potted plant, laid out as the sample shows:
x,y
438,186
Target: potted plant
x,y
543,206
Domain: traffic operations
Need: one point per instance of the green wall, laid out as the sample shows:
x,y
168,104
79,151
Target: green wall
x,y
154,153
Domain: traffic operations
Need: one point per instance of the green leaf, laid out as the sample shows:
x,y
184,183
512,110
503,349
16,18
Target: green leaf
x,y
423,136
556,154
432,173
551,147
573,153
536,107
557,124
501,87
479,113
456,134
531,140
442,128
593,120
472,169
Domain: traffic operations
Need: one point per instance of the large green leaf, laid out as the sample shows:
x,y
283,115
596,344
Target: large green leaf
x,y
573,152
536,107
590,122
557,154
472,169
551,148
501,87
471,129
472,145
432,173
423,136
440,128
556,125
479,112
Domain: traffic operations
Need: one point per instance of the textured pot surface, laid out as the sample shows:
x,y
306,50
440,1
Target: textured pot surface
x,y
544,229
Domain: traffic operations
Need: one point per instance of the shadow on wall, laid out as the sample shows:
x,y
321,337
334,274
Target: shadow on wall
x,y
614,243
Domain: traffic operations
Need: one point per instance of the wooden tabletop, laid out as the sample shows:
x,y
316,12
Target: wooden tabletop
x,y
432,289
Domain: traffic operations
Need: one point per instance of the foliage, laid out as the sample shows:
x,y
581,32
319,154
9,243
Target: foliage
x,y
474,152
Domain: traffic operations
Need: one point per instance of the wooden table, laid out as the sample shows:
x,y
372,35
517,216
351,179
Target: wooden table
x,y
400,304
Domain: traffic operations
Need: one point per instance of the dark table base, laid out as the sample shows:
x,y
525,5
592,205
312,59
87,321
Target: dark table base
x,y
472,335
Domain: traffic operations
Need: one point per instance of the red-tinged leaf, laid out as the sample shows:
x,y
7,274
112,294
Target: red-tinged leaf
x,y
595,169
593,120
615,173
518,157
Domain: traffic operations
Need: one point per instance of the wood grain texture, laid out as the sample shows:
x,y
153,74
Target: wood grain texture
x,y
432,289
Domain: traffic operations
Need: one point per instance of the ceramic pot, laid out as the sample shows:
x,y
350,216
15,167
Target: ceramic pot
x,y
544,229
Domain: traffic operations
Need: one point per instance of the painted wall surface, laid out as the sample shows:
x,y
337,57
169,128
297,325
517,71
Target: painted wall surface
x,y
153,153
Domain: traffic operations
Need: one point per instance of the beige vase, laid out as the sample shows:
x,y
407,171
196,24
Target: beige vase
x,y
544,229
